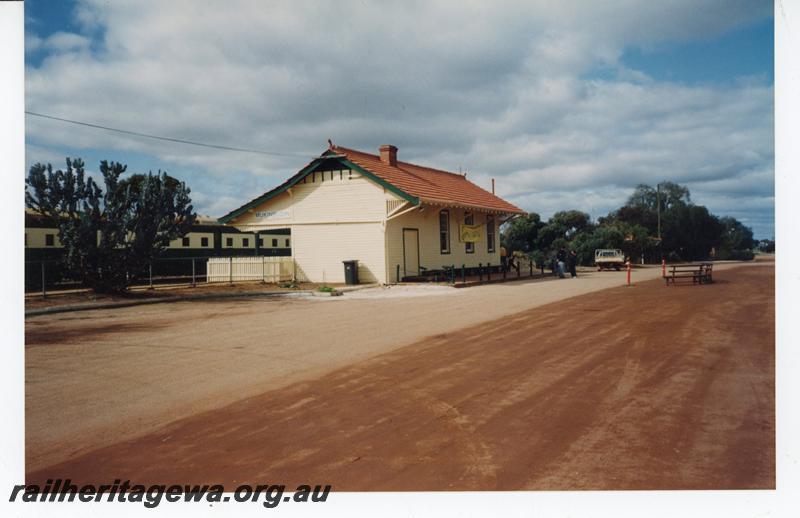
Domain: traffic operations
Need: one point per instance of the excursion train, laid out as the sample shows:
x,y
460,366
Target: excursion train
x,y
207,238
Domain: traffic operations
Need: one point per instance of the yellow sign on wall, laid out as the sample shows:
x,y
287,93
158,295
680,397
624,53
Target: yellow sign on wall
x,y
470,233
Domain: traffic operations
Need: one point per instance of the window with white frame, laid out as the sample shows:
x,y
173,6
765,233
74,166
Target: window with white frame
x,y
444,231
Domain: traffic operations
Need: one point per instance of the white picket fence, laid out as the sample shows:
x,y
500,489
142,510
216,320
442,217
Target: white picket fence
x,y
266,269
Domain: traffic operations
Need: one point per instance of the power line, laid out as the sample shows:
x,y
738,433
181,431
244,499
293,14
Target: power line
x,y
168,139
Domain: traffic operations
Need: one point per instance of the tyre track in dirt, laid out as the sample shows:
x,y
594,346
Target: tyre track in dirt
x,y
629,388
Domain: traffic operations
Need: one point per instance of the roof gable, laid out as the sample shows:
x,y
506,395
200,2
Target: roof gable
x,y
409,181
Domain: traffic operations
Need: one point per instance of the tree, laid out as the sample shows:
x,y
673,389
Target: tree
x,y
562,227
636,242
110,236
572,221
690,232
767,246
670,195
522,233
736,236
634,215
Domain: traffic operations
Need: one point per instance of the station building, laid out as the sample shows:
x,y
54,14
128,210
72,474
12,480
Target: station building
x,y
398,220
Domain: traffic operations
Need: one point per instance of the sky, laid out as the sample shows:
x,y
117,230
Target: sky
x,y
568,105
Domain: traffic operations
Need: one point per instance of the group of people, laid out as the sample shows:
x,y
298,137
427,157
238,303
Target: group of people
x,y
563,262
507,261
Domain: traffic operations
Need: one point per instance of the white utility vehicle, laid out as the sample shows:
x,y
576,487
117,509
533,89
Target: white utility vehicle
x,y
609,258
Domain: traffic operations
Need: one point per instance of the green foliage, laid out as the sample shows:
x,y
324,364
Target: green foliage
x,y
326,289
737,241
668,194
522,233
111,235
735,235
767,246
691,232
571,221
561,228
735,255
688,231
538,258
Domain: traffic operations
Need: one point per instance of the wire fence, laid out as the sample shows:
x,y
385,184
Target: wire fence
x,y
51,275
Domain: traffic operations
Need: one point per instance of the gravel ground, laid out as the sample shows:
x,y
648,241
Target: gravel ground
x,y
628,388
99,377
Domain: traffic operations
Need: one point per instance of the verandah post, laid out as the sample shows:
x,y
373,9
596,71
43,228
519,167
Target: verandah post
x,y
480,272
488,271
193,274
44,284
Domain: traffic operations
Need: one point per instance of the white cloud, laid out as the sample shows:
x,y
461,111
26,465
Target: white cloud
x,y
62,42
500,90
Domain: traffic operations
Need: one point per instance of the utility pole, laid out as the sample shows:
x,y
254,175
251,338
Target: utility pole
x,y
658,208
658,212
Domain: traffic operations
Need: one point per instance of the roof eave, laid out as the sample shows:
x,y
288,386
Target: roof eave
x,y
455,204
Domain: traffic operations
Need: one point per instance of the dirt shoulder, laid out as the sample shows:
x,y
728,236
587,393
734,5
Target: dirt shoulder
x,y
84,297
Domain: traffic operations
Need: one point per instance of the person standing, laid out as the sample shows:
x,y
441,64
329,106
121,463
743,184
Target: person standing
x,y
504,258
572,261
561,257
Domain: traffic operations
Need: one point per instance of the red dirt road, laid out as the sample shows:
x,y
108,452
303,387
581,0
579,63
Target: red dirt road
x,y
644,387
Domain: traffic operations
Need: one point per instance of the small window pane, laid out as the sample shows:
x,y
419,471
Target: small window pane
x,y
185,241
203,241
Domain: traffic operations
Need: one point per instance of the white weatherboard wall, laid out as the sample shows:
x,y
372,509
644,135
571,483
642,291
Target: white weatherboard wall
x,y
430,256
334,216
320,249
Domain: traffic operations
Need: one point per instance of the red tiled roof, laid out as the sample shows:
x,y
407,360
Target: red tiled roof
x,y
429,185
424,183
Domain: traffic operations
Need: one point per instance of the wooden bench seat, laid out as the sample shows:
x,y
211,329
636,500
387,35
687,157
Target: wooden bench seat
x,y
697,273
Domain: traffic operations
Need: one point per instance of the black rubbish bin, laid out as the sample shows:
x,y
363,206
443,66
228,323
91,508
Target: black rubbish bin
x,y
351,271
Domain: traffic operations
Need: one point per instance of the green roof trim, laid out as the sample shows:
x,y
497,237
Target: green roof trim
x,y
288,184
310,168
380,181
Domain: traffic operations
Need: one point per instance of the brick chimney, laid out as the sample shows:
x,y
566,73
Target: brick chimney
x,y
388,154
